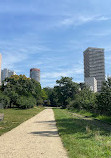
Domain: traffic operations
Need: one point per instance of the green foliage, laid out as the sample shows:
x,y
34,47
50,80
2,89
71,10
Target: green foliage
x,y
79,96
52,96
85,99
4,100
98,103
22,91
66,90
63,93
48,91
83,138
44,95
39,102
104,98
22,86
24,102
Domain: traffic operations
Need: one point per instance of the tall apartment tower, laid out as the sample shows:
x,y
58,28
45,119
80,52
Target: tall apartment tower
x,y
6,73
94,66
0,67
35,74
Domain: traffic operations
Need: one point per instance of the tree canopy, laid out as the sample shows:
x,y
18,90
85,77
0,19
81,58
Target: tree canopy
x,y
18,88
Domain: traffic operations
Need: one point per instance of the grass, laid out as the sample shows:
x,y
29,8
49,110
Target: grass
x,y
82,138
14,117
107,119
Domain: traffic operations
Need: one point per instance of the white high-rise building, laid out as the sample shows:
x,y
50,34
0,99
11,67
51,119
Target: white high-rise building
x,y
94,66
6,73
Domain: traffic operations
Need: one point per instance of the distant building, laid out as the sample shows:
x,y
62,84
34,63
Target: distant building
x,y
94,66
35,74
6,73
0,67
91,82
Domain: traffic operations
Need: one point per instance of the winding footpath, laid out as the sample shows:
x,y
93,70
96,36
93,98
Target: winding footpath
x,y
35,138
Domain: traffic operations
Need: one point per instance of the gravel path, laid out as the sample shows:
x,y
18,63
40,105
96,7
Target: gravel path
x,y
35,138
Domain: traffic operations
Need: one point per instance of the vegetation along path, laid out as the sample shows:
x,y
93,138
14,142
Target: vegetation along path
x,y
83,137
35,138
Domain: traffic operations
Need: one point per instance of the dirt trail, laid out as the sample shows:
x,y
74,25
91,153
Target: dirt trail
x,y
35,138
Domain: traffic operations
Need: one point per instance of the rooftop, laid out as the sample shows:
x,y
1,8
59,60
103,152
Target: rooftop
x,y
94,48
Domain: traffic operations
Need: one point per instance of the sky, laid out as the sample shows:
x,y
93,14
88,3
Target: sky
x,y
52,35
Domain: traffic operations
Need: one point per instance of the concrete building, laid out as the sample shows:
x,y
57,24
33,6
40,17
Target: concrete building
x,y
0,67
35,74
94,65
6,73
91,82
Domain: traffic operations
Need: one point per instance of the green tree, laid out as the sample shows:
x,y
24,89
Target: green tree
x,y
66,90
52,96
82,85
21,87
85,99
104,98
4,100
24,102
44,95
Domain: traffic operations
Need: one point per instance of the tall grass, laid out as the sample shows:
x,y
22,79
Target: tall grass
x,y
82,138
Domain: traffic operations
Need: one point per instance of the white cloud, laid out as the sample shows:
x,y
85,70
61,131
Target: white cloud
x,y
69,73
50,78
81,19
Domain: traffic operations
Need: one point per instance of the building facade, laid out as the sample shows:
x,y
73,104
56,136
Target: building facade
x,y
6,73
35,74
91,82
94,66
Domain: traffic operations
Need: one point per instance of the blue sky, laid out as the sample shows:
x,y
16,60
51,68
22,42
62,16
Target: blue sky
x,y
52,35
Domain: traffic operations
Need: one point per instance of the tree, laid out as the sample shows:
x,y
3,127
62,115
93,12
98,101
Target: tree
x,y
85,99
4,100
44,95
66,90
104,98
82,85
24,102
52,96
22,87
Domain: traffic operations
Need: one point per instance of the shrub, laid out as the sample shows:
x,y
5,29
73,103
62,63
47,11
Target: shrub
x,y
104,98
4,100
85,99
39,102
74,105
24,102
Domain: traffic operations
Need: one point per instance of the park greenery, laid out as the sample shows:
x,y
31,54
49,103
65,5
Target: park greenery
x,y
83,138
21,92
71,95
63,93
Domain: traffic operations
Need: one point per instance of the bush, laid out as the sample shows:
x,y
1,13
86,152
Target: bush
x,y
4,100
24,102
85,99
74,105
39,102
104,98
